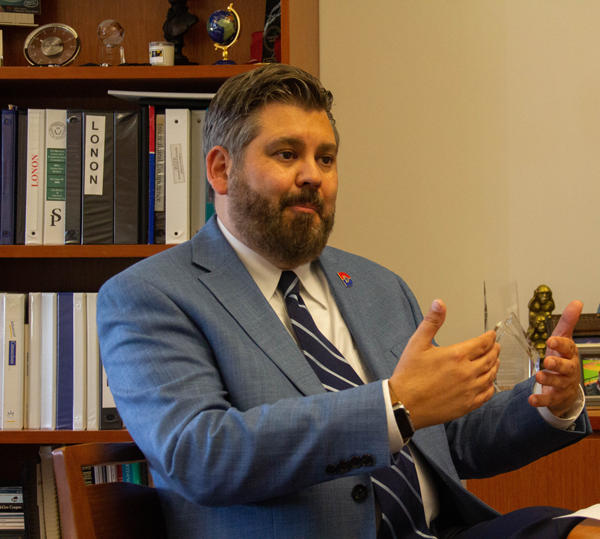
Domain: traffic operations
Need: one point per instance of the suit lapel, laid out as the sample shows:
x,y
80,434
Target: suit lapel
x,y
350,301
229,281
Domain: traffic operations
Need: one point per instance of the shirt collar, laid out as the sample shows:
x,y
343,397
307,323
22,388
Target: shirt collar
x,y
267,276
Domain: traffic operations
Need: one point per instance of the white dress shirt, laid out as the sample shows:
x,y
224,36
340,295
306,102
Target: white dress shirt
x,y
326,315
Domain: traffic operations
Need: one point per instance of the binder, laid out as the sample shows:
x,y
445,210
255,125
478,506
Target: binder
x,y
98,178
48,361
109,415
151,171
56,163
74,177
178,124
64,361
36,176
34,379
159,181
79,361
13,364
21,177
144,174
198,173
127,177
8,160
93,365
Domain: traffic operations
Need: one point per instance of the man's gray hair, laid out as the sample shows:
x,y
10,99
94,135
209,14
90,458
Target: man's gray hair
x,y
232,119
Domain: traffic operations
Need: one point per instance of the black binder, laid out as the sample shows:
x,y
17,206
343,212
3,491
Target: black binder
x,y
98,209
127,177
74,177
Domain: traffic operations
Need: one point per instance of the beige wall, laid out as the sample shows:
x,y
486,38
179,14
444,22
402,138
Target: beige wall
x,y
470,136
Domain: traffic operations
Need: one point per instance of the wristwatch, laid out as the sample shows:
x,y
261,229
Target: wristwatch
x,y
402,416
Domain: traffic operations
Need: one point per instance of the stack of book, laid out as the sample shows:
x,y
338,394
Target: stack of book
x,y
103,177
52,376
12,517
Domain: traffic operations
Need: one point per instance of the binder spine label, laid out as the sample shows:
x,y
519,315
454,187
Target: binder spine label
x,y
177,163
95,128
12,353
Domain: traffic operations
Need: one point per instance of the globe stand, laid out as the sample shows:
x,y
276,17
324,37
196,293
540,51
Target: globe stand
x,y
215,26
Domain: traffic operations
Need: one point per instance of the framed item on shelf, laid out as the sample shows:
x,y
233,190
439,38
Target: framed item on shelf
x,y
589,355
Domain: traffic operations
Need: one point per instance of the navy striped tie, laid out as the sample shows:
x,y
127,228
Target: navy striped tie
x,y
396,487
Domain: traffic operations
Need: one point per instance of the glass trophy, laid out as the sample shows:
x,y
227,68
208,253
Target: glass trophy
x,y
110,34
519,359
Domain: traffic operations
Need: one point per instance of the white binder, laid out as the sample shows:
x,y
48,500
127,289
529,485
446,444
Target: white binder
x,y
177,175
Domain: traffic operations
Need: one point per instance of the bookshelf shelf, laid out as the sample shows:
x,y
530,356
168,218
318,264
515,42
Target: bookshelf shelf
x,y
80,251
49,437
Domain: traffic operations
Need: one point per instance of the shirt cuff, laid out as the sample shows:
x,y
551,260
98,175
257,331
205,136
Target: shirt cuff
x,y
568,419
394,436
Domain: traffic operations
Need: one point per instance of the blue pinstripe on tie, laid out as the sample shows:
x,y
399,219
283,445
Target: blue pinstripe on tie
x,y
396,487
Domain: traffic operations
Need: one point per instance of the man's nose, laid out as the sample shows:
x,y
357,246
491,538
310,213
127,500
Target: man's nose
x,y
309,174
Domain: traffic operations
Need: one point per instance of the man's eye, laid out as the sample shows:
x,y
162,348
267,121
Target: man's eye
x,y
287,155
327,160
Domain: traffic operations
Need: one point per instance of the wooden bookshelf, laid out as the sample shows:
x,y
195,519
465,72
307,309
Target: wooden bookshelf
x,y
84,268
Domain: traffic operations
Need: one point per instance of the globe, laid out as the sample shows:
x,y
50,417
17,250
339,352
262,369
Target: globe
x,y
222,27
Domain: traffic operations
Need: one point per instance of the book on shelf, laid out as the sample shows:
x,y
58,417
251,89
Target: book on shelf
x,y
64,361
159,181
48,361
8,174
56,163
13,364
98,178
166,99
79,361
109,415
151,171
34,362
49,495
127,177
177,177
198,173
93,364
74,177
36,176
20,206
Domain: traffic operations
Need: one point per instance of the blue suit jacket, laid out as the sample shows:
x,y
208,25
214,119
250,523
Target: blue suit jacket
x,y
236,426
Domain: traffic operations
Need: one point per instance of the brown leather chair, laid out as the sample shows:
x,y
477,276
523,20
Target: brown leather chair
x,y
105,510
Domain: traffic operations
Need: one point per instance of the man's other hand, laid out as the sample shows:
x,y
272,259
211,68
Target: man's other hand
x,y
438,384
560,381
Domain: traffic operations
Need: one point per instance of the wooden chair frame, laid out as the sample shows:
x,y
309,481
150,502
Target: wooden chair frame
x,y
105,510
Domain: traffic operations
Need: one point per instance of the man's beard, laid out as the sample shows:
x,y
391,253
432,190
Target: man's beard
x,y
287,241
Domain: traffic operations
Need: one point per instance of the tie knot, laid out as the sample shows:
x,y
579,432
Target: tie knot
x,y
288,283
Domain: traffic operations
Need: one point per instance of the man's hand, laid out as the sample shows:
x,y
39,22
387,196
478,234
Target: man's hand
x,y
560,381
437,384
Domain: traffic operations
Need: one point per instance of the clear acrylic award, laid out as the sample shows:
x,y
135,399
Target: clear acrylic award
x,y
519,359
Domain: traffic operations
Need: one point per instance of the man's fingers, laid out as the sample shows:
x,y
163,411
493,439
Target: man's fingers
x,y
431,324
560,346
568,319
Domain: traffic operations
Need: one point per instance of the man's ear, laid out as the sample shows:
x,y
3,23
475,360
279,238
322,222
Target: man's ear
x,y
218,166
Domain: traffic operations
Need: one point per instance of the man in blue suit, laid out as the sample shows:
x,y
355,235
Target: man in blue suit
x,y
242,435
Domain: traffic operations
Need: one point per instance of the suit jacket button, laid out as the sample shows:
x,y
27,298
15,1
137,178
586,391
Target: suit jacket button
x,y
367,460
331,470
356,462
343,466
360,493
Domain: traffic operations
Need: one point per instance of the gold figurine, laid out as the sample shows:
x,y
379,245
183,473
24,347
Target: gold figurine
x,y
540,307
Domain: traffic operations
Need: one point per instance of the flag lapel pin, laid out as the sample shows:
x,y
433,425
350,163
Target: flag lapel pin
x,y
345,278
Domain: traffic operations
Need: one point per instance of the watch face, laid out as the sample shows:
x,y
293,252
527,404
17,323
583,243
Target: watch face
x,y
52,45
